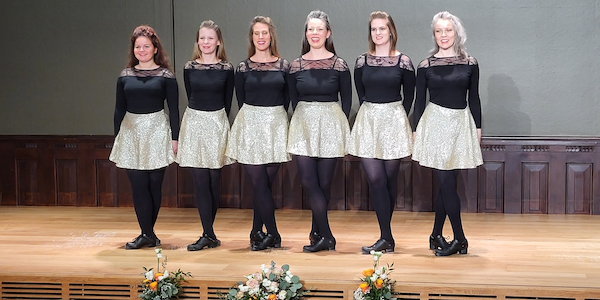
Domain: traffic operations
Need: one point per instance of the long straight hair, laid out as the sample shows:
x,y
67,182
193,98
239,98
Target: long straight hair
x,y
460,36
390,24
210,24
317,14
273,43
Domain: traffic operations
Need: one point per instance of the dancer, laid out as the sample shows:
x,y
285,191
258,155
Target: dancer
x,y
145,144
258,137
448,133
319,126
209,83
381,134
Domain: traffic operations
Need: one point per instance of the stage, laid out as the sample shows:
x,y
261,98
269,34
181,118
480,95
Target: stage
x,y
78,253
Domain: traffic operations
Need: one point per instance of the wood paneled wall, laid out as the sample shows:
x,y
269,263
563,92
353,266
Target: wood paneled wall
x,y
529,175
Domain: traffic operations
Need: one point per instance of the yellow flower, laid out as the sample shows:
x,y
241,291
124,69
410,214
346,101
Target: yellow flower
x,y
272,297
364,287
157,275
368,272
153,285
379,283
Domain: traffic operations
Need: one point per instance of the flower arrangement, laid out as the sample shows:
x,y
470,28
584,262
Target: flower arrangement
x,y
161,285
376,283
270,283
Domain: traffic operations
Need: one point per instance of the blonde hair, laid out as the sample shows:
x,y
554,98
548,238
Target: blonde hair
x,y
210,24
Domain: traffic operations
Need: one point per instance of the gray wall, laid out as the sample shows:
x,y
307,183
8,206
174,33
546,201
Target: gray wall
x,y
538,59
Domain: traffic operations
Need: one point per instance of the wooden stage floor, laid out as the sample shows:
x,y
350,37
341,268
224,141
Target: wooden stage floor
x,y
510,256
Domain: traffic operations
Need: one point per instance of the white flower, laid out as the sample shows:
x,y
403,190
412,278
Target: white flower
x,y
374,277
149,275
378,271
274,287
159,255
166,273
282,295
243,288
358,294
263,267
158,250
383,276
266,282
161,277
288,278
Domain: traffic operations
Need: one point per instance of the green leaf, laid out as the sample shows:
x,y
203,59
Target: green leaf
x,y
284,285
285,268
295,279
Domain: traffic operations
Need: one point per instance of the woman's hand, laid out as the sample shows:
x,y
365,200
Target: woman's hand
x,y
479,135
175,144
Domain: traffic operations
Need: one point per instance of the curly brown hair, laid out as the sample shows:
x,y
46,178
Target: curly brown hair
x,y
160,57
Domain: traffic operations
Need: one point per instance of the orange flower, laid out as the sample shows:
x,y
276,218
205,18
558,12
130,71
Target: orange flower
x,y
146,280
157,275
272,297
153,285
364,287
368,272
378,283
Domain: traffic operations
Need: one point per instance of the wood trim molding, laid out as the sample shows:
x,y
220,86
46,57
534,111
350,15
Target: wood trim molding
x,y
533,175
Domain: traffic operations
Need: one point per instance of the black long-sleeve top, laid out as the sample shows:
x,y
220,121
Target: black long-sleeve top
x,y
209,87
453,82
379,79
144,92
262,84
321,81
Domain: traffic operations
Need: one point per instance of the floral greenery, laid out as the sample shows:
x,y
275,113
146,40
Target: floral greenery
x,y
270,283
161,285
376,283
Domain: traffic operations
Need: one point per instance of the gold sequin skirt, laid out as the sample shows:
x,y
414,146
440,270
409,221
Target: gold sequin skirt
x,y
143,142
318,129
446,139
259,135
381,130
203,139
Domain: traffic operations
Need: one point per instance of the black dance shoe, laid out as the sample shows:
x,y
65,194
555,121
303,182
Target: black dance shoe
x,y
256,238
322,244
204,241
455,247
381,245
141,241
438,243
313,237
156,240
270,241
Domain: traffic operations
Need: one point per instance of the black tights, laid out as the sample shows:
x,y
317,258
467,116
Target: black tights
x,y
316,175
207,183
383,188
447,203
146,190
262,177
